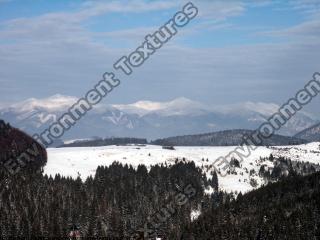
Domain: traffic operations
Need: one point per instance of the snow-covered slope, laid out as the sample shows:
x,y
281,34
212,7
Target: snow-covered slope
x,y
84,161
303,153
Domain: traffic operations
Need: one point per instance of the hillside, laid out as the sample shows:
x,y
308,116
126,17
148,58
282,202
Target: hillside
x,y
288,209
311,134
225,138
14,142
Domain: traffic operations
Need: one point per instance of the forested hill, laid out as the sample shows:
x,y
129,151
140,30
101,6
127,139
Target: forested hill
x,y
14,142
288,209
311,134
225,138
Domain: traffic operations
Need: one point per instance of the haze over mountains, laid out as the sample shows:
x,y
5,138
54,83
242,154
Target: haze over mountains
x,y
147,119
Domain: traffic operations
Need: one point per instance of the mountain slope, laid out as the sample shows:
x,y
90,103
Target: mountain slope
x,y
311,134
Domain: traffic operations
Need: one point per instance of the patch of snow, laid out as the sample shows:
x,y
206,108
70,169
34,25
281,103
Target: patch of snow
x,y
209,190
194,215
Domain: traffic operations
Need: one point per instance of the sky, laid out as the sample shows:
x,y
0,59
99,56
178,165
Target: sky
x,y
233,51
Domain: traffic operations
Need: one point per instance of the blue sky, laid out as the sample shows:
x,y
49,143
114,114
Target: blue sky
x,y
234,51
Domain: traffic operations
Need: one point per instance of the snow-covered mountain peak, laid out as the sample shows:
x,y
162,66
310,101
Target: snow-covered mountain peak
x,y
262,108
178,106
54,103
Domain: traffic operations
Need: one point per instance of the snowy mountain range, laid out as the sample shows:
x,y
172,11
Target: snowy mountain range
x,y
147,119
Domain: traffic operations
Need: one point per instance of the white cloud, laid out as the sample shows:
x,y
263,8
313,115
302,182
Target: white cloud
x,y
309,6
69,26
219,10
306,32
58,26
133,35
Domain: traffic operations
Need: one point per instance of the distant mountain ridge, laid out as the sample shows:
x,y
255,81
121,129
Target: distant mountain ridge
x,y
225,138
311,134
222,138
147,119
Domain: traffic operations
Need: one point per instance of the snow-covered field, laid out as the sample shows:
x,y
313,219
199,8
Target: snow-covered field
x,y
84,161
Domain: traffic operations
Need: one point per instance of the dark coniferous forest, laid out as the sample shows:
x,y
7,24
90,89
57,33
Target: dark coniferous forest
x,y
117,202
288,209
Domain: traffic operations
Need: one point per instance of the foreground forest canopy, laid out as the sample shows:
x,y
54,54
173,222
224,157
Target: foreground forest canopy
x,y
120,202
117,202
